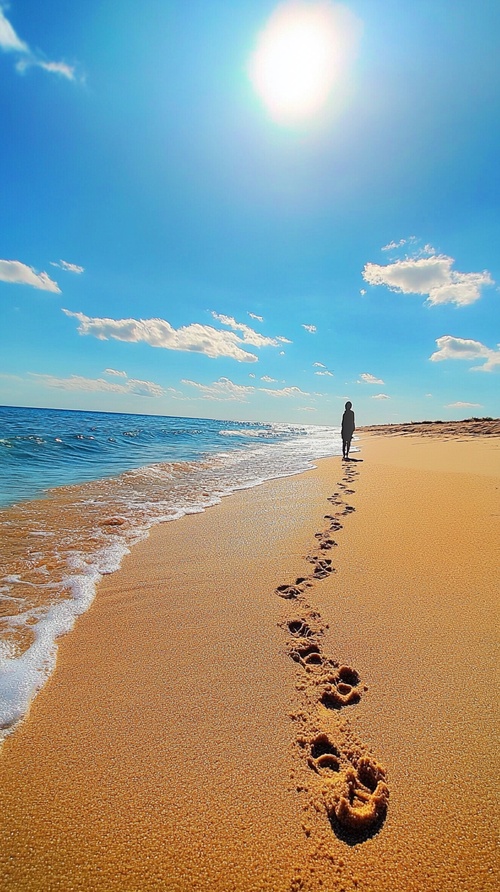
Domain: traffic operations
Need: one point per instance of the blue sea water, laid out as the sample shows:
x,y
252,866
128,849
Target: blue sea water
x,y
79,489
44,448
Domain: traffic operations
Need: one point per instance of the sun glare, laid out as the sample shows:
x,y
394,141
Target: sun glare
x,y
300,55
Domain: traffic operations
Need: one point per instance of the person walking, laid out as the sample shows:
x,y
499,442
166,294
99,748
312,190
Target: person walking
x,y
348,428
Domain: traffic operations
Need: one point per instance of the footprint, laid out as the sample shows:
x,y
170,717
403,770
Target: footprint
x,y
341,689
325,541
299,629
307,652
334,522
324,757
322,567
358,801
288,591
326,544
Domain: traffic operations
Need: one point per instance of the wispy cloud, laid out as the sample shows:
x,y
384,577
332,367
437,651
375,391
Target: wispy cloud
x,y
116,373
461,405
222,390
370,379
310,328
467,349
26,58
248,335
100,385
380,396
60,68
414,247
430,275
268,380
258,318
194,338
68,267
324,371
9,41
284,392
15,272
412,240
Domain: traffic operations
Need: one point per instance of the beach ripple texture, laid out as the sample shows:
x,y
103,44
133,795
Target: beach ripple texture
x,y
78,489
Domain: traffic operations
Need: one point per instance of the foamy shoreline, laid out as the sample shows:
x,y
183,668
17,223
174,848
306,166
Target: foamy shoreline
x,y
56,550
182,718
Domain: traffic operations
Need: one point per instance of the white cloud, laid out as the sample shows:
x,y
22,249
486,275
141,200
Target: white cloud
x,y
412,243
283,340
222,390
465,348
10,377
225,389
18,273
370,379
460,405
284,392
307,408
412,240
10,42
310,328
269,380
115,373
61,68
193,338
258,318
69,267
95,385
381,396
362,292
432,276
249,336
325,372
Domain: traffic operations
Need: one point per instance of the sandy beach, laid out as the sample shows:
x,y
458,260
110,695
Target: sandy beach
x,y
295,690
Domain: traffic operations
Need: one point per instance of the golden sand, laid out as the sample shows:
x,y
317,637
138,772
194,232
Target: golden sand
x,y
294,690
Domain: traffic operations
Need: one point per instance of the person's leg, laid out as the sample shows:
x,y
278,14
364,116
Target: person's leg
x,y
347,447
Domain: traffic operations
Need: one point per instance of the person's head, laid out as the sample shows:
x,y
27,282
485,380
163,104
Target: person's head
x,y
348,405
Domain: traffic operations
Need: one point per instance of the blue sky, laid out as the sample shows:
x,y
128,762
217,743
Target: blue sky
x,y
179,237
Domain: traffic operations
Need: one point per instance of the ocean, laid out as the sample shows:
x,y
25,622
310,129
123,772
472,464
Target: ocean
x,y
79,489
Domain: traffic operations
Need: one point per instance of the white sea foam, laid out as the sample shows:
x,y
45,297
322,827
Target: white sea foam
x,y
114,514
255,434
21,677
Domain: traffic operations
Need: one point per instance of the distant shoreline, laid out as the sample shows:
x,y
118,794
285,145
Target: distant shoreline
x,y
468,427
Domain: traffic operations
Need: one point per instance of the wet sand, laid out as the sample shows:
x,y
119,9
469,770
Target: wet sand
x,y
294,690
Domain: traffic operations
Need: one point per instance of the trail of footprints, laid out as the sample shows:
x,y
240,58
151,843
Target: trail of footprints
x,y
343,777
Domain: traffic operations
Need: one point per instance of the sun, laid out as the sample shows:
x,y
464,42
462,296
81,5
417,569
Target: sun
x,y
299,56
